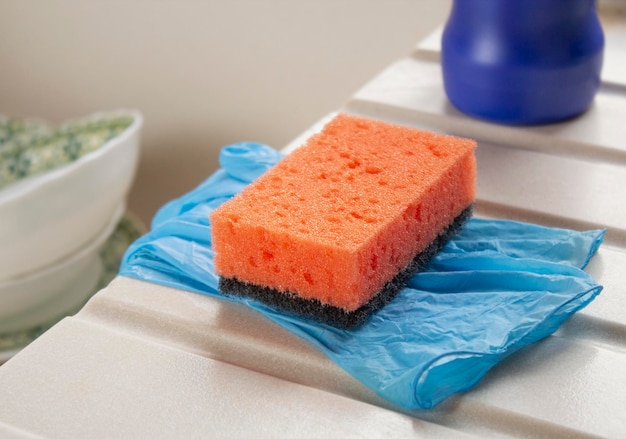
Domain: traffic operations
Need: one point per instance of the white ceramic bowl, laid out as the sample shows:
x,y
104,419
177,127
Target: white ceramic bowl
x,y
47,217
56,290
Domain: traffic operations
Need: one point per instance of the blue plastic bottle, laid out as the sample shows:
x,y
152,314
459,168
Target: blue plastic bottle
x,y
522,61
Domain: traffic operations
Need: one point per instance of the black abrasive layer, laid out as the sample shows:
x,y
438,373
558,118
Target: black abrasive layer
x,y
332,315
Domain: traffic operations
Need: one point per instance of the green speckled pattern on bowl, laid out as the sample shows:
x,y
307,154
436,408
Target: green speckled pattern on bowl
x,y
29,148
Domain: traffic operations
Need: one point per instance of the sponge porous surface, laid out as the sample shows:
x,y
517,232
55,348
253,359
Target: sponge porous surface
x,y
342,216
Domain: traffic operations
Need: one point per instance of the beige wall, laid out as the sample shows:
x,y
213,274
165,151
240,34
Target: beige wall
x,y
204,73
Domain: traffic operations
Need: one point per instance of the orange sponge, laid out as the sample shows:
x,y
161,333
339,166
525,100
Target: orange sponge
x,y
339,218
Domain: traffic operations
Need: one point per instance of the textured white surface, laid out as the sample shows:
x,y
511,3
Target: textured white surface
x,y
411,90
566,188
150,361
118,385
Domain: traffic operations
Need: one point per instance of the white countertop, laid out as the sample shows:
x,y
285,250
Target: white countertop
x,y
142,360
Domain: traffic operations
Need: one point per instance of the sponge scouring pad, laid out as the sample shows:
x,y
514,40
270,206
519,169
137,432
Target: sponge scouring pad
x,y
335,229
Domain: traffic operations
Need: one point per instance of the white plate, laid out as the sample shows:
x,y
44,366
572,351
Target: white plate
x,y
37,298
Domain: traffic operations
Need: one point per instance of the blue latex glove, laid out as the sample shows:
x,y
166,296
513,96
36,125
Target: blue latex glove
x,y
494,288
